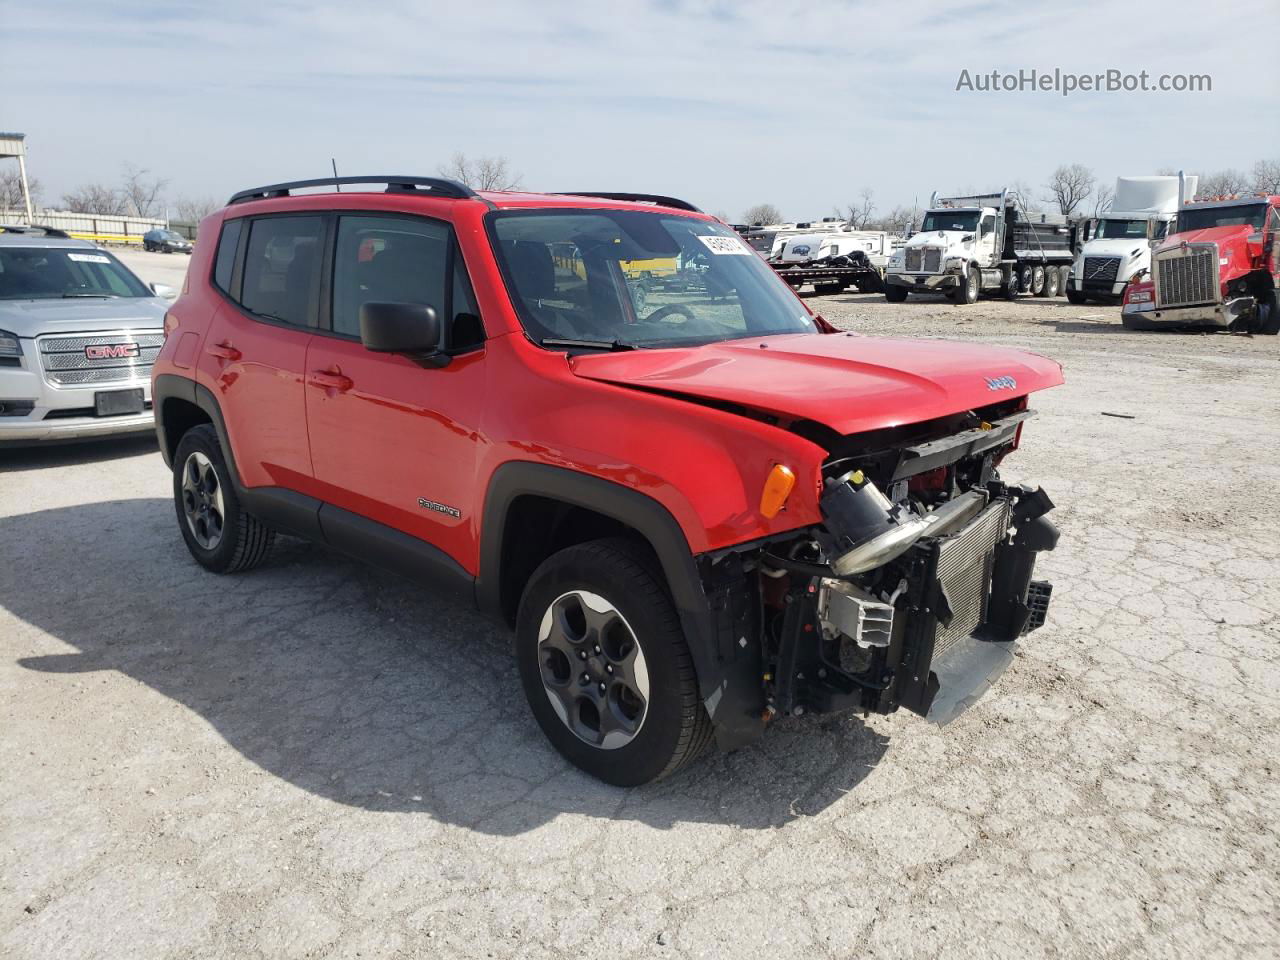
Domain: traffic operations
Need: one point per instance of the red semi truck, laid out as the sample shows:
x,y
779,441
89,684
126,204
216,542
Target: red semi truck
x,y
1219,269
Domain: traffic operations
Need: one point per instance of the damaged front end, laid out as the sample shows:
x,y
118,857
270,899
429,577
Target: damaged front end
x,y
911,593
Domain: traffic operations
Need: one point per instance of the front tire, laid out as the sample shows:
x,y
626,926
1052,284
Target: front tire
x,y
1076,297
972,285
605,666
219,532
895,294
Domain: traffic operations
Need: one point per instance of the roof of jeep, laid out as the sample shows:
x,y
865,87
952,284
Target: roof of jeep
x,y
440,188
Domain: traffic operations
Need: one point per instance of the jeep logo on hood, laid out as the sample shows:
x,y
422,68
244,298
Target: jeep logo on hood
x,y
1001,383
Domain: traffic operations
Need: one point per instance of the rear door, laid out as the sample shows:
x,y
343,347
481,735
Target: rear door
x,y
392,440
254,354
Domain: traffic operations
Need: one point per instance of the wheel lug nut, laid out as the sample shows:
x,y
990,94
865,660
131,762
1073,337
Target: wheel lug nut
x,y
585,679
597,648
582,654
602,688
608,668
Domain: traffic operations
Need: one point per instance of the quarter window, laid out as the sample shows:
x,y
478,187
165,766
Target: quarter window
x,y
282,268
226,259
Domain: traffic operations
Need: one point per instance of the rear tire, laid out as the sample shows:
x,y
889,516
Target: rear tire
x,y
895,294
1051,282
1037,281
600,611
827,289
219,532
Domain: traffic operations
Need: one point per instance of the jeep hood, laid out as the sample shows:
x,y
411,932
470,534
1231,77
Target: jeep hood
x,y
848,383
31,318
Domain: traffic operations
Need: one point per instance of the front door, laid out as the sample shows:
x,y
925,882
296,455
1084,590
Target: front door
x,y
392,440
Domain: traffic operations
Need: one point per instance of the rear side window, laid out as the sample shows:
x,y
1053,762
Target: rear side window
x,y
226,258
282,268
387,260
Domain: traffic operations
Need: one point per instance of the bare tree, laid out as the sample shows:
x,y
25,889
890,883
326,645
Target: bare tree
x,y
11,190
141,194
482,173
1021,192
95,198
859,214
898,220
1070,185
1223,183
195,209
1266,176
762,214
1102,200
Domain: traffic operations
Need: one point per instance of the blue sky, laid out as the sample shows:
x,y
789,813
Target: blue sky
x,y
725,104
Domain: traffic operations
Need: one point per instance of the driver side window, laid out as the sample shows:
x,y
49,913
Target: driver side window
x,y
988,226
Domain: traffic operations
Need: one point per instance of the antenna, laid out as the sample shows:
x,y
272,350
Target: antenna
x,y
334,163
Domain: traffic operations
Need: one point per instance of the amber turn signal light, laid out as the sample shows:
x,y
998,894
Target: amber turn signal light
x,y
776,490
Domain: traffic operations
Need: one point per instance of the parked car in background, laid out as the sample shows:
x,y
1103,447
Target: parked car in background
x,y
165,241
698,512
78,334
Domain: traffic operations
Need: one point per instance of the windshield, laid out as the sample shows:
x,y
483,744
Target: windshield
x,y
46,273
638,279
950,220
1121,230
1204,217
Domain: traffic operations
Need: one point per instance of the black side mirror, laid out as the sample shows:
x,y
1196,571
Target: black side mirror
x,y
409,328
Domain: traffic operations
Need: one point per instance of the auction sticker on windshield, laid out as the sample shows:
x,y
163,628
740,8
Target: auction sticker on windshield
x,y
88,258
726,245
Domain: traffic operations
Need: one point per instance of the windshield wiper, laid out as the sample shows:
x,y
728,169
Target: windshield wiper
x,y
96,296
611,345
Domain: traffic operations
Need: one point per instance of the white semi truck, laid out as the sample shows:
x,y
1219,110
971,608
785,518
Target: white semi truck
x,y
979,244
1120,246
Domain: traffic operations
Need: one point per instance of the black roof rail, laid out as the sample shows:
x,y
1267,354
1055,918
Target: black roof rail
x,y
436,186
28,228
634,198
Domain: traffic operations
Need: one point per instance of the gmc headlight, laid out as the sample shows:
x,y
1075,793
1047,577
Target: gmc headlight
x,y
9,346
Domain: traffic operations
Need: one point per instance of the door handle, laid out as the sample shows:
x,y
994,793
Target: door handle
x,y
224,351
331,379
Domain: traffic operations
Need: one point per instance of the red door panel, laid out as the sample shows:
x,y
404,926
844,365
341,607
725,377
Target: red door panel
x,y
396,442
255,370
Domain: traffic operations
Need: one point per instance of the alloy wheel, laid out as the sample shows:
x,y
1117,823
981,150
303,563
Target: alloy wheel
x,y
202,500
593,669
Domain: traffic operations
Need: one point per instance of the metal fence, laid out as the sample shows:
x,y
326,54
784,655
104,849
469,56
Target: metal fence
x,y
98,227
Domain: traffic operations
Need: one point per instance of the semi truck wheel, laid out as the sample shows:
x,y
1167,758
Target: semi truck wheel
x,y
895,294
605,666
1063,273
1076,297
972,285
1009,289
1051,282
1025,276
827,289
1269,316
1037,281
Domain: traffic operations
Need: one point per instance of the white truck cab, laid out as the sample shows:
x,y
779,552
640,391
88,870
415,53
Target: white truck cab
x,y
1119,249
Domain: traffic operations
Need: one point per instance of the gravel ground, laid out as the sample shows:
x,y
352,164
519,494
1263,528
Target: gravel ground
x,y
317,761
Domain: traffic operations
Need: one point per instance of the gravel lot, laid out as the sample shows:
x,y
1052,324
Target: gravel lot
x,y
314,760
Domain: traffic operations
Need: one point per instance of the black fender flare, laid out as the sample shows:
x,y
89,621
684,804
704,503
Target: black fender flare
x,y
638,511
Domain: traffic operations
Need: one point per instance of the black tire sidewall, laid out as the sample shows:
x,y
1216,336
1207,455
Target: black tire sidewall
x,y
203,439
649,753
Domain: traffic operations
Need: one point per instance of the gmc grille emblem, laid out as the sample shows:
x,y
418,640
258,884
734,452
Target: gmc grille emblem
x,y
110,351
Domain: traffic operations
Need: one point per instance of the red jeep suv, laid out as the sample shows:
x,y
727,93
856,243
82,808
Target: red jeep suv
x,y
605,420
